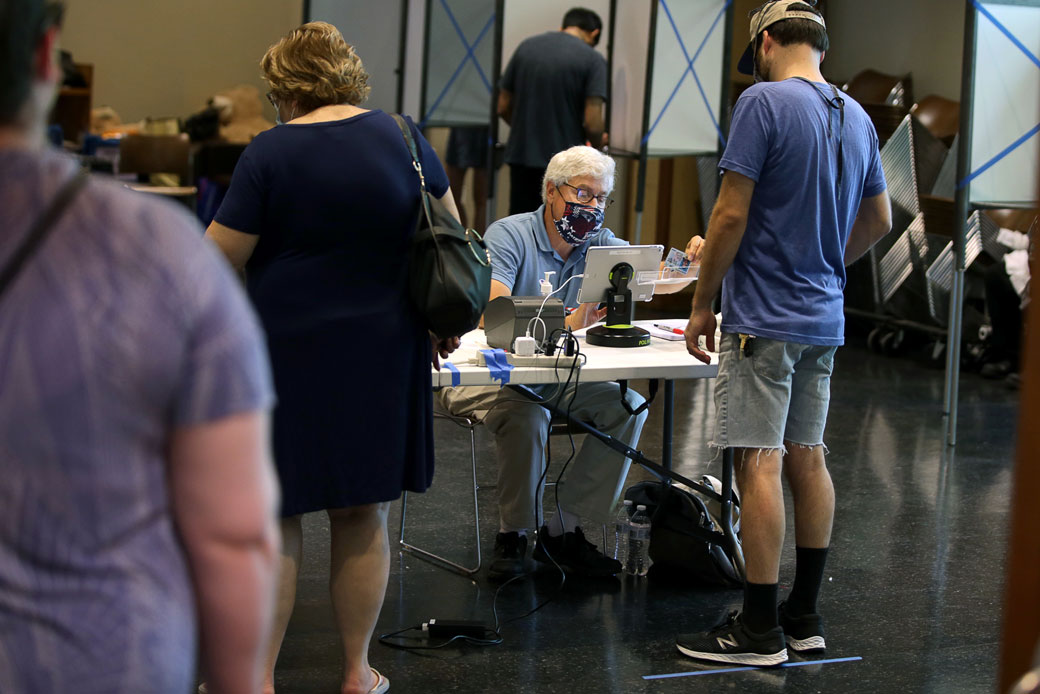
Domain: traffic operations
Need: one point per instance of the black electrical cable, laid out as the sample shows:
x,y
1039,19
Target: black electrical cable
x,y
494,640
573,372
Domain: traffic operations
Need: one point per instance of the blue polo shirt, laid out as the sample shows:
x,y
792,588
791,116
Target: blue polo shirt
x,y
521,255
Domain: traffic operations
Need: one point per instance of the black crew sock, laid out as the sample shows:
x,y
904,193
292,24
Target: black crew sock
x,y
808,576
760,606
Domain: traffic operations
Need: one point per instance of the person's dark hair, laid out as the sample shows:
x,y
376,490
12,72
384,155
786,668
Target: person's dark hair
x,y
22,23
791,31
586,20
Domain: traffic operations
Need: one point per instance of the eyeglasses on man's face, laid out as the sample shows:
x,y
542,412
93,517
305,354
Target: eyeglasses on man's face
x,y
586,197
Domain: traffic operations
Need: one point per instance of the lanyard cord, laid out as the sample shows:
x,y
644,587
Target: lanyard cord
x,y
835,102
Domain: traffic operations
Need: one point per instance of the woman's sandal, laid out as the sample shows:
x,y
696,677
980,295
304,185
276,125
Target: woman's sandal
x,y
382,684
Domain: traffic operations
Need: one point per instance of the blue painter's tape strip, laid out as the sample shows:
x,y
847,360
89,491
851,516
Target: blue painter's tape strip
x,y
456,377
798,663
497,364
1004,30
992,162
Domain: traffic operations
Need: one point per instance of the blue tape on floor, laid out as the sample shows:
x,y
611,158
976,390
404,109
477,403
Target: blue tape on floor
x,y
497,364
456,377
799,663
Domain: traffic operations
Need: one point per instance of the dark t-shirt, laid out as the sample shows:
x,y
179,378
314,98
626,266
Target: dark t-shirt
x,y
550,76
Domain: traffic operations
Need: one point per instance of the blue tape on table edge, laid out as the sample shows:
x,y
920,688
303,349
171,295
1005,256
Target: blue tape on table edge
x,y
497,364
456,377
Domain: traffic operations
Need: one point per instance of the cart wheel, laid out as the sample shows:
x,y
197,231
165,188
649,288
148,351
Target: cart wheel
x,y
874,339
892,342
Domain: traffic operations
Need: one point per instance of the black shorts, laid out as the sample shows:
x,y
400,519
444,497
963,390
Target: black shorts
x,y
467,147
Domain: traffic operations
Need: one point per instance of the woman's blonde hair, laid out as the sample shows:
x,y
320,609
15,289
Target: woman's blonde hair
x,y
315,67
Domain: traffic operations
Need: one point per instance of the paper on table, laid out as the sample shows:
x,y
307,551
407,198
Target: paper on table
x,y
664,334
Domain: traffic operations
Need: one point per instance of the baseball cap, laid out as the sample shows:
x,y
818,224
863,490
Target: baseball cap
x,y
769,14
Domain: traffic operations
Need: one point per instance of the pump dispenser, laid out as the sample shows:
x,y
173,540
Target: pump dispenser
x,y
545,287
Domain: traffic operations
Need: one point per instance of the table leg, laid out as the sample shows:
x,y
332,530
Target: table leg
x,y
666,434
735,550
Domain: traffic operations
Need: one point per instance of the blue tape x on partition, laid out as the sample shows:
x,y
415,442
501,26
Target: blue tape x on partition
x,y
464,95
690,69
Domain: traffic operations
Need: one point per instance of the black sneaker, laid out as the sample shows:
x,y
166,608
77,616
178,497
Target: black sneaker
x,y
510,557
574,554
804,633
997,369
732,642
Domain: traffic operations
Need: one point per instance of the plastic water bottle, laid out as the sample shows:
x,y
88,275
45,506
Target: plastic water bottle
x,y
637,563
622,524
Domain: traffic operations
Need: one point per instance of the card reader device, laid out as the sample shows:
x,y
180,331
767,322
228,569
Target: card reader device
x,y
508,317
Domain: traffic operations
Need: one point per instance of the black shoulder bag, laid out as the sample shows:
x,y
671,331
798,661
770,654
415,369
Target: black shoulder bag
x,y
450,267
40,229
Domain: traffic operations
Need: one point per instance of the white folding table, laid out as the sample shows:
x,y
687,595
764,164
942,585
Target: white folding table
x,y
661,360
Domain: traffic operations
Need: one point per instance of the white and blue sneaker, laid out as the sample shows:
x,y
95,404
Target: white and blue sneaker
x,y
732,642
804,633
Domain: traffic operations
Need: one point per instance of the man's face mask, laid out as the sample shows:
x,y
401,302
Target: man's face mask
x,y
579,222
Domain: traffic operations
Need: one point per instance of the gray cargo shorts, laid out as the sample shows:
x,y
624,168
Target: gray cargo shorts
x,y
779,392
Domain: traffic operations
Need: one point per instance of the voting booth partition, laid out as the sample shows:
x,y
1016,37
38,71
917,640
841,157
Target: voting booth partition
x,y
999,147
670,76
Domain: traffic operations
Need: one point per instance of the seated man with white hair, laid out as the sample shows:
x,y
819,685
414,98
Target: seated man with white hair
x,y
555,238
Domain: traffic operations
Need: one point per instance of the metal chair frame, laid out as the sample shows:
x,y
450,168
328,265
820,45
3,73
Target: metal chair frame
x,y
444,562
555,428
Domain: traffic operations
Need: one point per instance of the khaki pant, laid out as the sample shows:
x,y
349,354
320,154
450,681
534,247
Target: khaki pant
x,y
594,479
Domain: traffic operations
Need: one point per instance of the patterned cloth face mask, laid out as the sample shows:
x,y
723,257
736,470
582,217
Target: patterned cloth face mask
x,y
579,222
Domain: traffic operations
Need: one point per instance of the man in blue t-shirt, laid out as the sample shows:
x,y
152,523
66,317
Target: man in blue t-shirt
x,y
802,196
555,238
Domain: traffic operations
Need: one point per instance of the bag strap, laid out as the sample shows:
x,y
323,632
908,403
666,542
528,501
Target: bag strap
x,y
406,133
43,225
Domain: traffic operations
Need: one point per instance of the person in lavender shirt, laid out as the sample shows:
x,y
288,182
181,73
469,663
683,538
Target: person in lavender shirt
x,y
137,497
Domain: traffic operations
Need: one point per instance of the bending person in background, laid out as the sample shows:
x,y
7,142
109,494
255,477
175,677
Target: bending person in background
x,y
802,196
320,214
555,237
136,488
552,96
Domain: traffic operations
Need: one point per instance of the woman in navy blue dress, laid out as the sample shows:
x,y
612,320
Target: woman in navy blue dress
x,y
320,214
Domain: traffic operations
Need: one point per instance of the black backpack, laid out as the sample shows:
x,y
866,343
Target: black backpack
x,y
675,548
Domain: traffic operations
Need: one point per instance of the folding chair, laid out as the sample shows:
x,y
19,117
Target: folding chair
x,y
470,425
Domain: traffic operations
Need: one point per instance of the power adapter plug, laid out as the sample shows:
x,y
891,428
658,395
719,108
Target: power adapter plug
x,y
524,346
449,628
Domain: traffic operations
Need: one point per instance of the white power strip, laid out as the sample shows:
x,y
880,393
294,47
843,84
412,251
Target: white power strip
x,y
547,361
